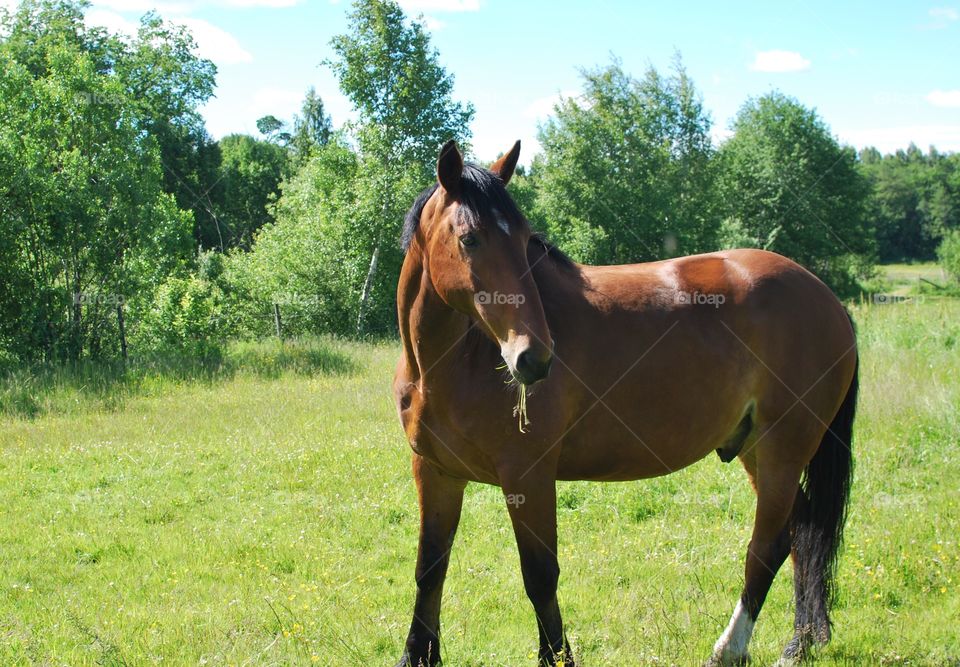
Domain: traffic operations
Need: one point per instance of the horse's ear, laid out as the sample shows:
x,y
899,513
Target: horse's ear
x,y
505,165
450,167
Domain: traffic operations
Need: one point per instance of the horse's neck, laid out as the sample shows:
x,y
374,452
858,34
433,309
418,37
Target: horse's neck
x,y
562,294
429,328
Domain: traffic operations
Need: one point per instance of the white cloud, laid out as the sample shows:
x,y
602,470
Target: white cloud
x,y
143,6
275,4
720,134
945,13
279,102
891,139
215,43
488,145
440,5
944,98
112,21
187,6
941,17
433,23
542,107
779,61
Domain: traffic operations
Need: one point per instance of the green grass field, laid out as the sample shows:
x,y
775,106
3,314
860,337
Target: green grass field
x,y
261,513
905,280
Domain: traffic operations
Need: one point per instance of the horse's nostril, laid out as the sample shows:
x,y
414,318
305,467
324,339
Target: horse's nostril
x,y
532,368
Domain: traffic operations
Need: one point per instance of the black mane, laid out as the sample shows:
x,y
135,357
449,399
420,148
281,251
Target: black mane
x,y
412,220
481,192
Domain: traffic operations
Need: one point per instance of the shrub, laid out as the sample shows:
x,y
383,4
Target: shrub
x,y
949,253
187,316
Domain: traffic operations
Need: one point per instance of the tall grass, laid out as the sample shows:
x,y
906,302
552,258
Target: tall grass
x,y
38,390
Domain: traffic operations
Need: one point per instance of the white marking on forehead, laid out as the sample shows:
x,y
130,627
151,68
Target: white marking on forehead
x,y
501,222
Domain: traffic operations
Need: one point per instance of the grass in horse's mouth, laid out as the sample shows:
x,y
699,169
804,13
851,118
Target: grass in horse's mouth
x,y
520,409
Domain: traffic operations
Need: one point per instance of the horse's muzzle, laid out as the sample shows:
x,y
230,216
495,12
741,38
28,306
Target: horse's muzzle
x,y
531,367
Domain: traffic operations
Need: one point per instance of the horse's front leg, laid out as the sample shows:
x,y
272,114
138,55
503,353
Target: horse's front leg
x,y
532,502
441,498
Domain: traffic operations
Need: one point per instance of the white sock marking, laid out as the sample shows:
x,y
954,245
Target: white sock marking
x,y
732,644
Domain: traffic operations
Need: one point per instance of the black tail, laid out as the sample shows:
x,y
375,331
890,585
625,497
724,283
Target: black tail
x,y
817,523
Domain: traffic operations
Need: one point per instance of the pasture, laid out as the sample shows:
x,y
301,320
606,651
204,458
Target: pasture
x,y
261,512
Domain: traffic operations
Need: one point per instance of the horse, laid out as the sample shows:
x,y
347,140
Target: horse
x,y
629,372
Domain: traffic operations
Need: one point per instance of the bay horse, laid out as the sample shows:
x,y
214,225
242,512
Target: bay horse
x,y
651,368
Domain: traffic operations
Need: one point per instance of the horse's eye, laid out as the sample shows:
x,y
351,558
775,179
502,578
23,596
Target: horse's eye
x,y
468,240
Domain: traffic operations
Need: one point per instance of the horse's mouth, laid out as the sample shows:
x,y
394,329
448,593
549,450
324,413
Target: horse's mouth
x,y
517,380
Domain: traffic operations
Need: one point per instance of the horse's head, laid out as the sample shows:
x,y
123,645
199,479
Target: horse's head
x,y
474,241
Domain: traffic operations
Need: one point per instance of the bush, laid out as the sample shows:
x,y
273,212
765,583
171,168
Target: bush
x,y
734,234
187,316
949,253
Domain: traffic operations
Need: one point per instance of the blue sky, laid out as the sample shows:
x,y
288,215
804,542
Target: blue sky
x,y
881,74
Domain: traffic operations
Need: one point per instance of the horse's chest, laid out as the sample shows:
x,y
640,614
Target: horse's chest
x,y
431,435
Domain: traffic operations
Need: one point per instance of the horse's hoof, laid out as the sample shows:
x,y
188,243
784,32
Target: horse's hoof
x,y
727,660
560,659
408,661
787,661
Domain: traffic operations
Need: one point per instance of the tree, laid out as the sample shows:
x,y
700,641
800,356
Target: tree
x,y
167,83
307,263
312,129
272,128
793,189
948,253
915,200
248,181
87,225
625,173
403,98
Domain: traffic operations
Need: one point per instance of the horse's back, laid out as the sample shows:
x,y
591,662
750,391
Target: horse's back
x,y
742,283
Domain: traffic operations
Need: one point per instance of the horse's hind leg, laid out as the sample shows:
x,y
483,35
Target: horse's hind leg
x,y
776,483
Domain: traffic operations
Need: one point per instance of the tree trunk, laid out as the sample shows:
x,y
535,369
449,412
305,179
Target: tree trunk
x,y
375,258
367,287
76,335
123,331
276,320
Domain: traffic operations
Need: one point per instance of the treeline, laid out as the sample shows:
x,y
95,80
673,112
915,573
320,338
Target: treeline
x,y
914,201
127,230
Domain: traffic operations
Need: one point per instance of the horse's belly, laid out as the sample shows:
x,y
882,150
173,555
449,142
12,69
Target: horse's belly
x,y
613,449
617,461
